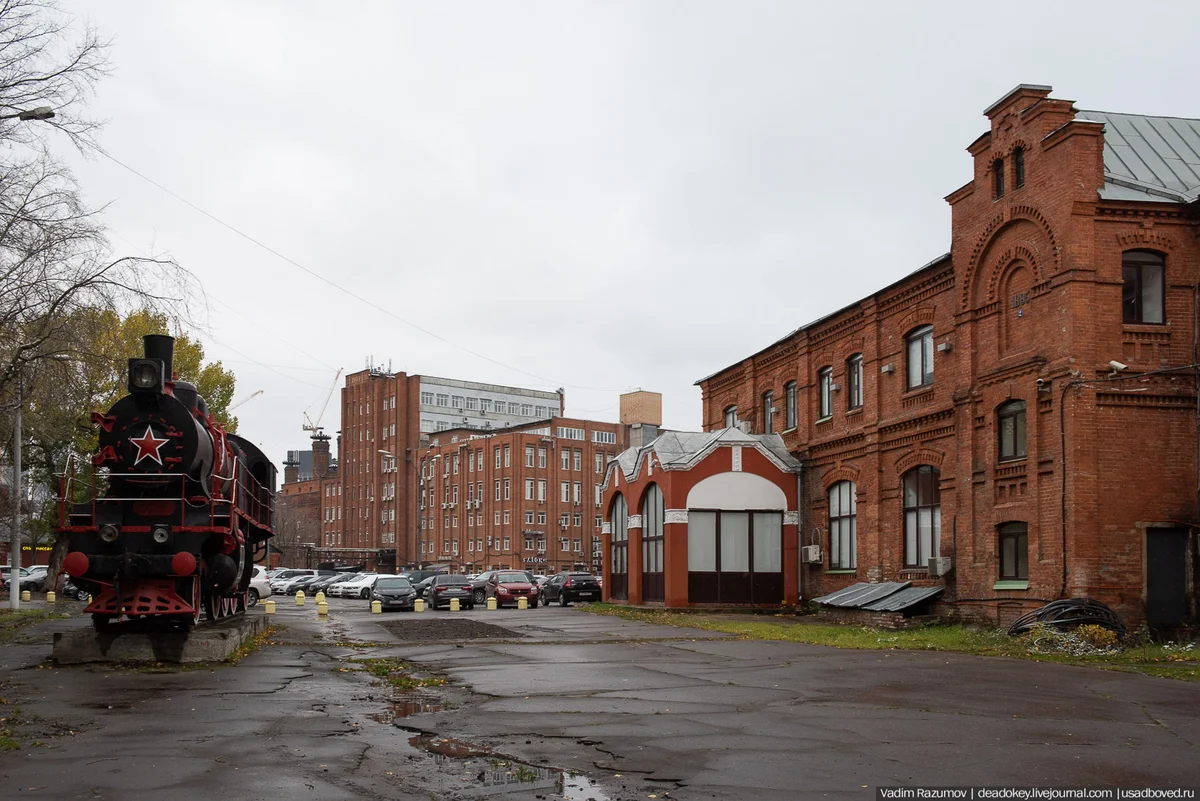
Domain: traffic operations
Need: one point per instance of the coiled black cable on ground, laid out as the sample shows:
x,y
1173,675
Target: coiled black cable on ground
x,y
1069,613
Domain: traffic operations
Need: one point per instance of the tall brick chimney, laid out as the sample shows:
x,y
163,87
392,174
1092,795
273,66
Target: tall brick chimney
x,y
291,472
320,449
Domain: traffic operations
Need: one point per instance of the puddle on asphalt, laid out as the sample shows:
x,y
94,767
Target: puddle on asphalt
x,y
406,705
483,773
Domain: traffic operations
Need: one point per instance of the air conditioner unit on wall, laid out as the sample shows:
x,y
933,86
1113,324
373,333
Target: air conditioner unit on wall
x,y
812,553
940,565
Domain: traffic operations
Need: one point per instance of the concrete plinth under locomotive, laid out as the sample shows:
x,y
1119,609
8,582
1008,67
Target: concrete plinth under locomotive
x,y
124,644
165,524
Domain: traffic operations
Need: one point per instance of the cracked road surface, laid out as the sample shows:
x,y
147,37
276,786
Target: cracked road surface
x,y
628,710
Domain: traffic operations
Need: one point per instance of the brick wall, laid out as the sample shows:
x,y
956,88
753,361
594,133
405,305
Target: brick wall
x,y
1032,290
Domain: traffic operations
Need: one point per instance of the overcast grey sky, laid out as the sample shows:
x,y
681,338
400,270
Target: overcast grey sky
x,y
602,195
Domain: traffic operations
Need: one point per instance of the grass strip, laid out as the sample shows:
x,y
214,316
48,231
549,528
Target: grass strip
x,y
1167,660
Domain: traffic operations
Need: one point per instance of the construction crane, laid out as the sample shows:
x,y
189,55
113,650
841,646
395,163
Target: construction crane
x,y
250,397
315,426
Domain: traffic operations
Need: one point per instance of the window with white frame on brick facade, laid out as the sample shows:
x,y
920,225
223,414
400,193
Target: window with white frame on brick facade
x,y
529,489
565,495
922,515
564,458
577,456
529,518
825,392
529,456
919,350
768,412
507,494
854,382
731,418
541,463
843,526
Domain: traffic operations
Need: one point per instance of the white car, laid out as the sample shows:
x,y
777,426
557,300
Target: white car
x,y
334,590
359,587
260,585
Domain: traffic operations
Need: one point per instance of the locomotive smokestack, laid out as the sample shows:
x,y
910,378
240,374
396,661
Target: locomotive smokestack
x,y
161,346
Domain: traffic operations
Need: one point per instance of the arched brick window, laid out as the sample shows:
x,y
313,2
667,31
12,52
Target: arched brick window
x,y
843,526
922,515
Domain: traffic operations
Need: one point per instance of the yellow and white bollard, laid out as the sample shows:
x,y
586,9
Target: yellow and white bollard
x,y
454,605
419,605
522,603
25,595
491,604
376,608
269,606
51,597
299,597
322,609
319,597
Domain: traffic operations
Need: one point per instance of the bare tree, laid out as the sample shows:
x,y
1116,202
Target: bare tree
x,y
56,266
45,61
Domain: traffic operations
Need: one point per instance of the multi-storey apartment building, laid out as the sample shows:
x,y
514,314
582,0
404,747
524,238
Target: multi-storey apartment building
x,y
525,497
1015,421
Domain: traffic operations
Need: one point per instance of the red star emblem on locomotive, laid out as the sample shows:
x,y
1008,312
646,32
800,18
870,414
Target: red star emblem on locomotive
x,y
148,446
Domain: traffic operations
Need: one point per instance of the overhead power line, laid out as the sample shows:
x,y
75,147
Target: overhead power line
x,y
382,309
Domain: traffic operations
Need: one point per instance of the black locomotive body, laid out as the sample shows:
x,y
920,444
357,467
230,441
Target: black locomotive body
x,y
168,522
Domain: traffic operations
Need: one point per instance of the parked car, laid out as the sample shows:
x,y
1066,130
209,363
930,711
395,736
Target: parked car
x,y
507,586
37,576
568,587
260,585
422,587
284,576
323,583
24,581
417,576
394,592
334,589
442,589
360,587
69,590
479,586
297,584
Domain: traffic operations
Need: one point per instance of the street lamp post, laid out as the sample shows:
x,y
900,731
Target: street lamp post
x,y
14,556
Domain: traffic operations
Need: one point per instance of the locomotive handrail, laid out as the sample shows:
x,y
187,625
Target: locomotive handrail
x,y
245,493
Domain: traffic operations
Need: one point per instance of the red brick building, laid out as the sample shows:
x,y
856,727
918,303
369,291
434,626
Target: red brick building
x,y
702,518
368,505
525,497
1022,410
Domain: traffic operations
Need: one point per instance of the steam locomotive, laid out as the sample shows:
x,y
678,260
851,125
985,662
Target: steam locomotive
x,y
168,519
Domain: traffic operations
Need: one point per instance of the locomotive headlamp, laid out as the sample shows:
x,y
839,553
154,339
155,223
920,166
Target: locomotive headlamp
x,y
160,534
109,533
145,375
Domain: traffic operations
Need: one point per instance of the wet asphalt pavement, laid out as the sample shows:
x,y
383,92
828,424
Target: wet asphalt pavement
x,y
562,704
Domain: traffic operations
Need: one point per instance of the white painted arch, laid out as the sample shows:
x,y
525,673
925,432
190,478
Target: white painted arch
x,y
736,491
